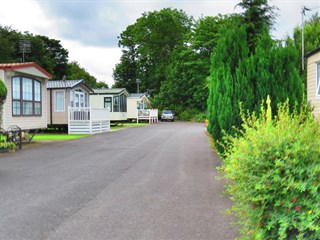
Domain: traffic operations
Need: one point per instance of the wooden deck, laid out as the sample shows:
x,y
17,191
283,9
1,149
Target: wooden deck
x,y
148,114
87,120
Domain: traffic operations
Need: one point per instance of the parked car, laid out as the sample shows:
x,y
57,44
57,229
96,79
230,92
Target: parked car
x,y
167,115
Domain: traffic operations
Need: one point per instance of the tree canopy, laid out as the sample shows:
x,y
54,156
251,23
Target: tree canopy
x,y
147,46
46,52
76,72
257,17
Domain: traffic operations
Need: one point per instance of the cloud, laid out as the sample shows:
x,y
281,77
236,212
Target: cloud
x,y
89,28
93,23
29,16
290,15
98,61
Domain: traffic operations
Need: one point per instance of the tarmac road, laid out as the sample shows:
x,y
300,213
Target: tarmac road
x,y
147,183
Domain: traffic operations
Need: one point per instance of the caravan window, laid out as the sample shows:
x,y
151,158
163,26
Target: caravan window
x,y
116,103
26,97
108,103
60,101
123,103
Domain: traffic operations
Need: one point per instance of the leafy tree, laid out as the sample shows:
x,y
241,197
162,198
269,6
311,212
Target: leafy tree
x,y
55,56
124,74
311,40
185,86
311,34
76,72
185,89
205,34
149,42
9,45
46,52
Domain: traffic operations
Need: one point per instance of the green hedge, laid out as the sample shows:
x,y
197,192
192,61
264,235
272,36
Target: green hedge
x,y
273,175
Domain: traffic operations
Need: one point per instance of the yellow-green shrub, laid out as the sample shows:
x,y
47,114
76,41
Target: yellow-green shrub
x,y
273,175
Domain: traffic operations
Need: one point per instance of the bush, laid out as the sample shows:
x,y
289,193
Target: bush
x,y
273,175
3,95
192,115
3,91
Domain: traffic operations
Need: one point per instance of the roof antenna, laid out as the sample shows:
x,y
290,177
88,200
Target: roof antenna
x,y
303,13
24,47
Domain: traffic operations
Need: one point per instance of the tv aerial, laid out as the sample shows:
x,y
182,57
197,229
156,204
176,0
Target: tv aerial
x,y
24,47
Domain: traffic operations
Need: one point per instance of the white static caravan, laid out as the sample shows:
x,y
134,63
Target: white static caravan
x,y
63,94
113,99
136,102
68,106
26,102
313,80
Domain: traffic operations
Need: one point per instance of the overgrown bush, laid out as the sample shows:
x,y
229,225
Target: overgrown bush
x,y
273,175
192,115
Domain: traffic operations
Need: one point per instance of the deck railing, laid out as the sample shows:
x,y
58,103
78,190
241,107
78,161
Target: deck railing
x,y
79,114
148,114
88,120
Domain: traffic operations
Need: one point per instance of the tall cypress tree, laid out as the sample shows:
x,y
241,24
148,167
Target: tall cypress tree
x,y
258,17
238,76
225,88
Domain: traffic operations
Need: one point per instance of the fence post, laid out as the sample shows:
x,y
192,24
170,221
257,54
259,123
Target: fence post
x,y
90,119
69,120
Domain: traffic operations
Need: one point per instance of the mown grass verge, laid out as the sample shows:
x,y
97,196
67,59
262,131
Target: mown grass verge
x,y
65,136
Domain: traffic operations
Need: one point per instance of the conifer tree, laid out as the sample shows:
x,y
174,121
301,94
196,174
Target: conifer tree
x,y
239,77
225,88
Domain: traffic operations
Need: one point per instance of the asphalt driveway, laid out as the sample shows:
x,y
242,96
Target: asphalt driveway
x,y
155,182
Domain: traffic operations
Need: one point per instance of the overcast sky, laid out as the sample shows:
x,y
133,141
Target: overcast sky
x,y
89,29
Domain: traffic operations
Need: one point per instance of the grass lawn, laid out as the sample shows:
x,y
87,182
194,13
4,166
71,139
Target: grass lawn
x,y
65,136
126,125
57,136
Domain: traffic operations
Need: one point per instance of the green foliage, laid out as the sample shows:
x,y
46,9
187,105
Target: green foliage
x,y
125,73
148,45
238,76
311,41
46,52
272,168
3,91
4,144
53,57
192,115
257,17
186,84
76,72
225,89
58,137
3,95
311,34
